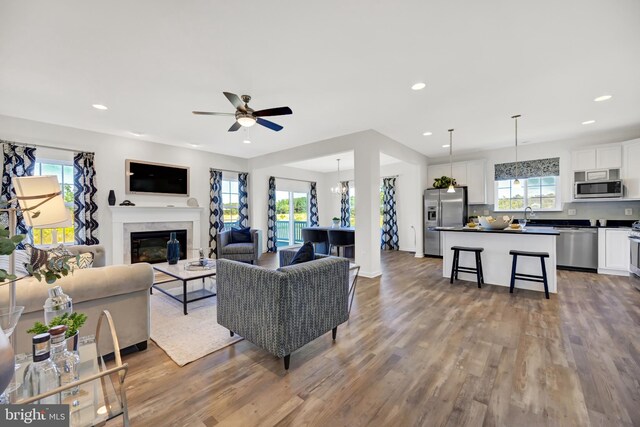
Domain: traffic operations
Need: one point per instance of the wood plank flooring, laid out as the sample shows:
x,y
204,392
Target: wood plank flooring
x,y
419,351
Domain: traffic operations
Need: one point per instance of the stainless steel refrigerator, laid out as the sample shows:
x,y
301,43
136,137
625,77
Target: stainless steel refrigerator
x,y
442,209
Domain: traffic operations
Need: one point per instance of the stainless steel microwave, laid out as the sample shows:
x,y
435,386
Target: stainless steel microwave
x,y
598,189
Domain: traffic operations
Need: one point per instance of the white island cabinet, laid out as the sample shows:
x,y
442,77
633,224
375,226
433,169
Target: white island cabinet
x,y
496,261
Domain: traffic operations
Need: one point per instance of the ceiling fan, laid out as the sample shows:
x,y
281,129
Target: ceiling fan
x,y
246,116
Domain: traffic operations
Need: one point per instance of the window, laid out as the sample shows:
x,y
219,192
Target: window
x,y
230,203
292,215
64,172
352,206
541,193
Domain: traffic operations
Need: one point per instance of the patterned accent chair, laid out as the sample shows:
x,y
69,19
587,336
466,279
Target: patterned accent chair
x,y
245,252
282,310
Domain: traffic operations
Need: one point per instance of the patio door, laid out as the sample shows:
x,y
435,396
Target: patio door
x,y
292,215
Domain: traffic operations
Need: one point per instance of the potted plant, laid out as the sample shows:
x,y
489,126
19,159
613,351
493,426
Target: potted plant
x,y
336,222
444,182
73,322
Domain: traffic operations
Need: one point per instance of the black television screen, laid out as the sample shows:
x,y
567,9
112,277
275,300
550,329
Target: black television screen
x,y
155,178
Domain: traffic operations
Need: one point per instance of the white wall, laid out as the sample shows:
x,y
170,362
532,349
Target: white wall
x,y
111,152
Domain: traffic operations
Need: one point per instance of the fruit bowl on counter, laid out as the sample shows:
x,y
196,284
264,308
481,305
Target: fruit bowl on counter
x,y
491,223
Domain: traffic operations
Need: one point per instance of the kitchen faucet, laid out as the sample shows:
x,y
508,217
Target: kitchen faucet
x,y
530,209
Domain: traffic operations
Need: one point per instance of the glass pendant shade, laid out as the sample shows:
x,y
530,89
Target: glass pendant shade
x,y
451,189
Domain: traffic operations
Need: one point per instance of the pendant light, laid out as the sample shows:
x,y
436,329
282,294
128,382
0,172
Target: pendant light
x,y
339,189
516,183
451,188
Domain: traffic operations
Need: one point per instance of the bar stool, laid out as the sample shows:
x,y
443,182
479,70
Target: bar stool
x,y
319,238
455,267
529,277
341,239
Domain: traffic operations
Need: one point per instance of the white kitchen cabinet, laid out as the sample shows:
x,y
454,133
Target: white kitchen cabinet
x,y
613,251
631,171
609,157
471,173
476,182
583,159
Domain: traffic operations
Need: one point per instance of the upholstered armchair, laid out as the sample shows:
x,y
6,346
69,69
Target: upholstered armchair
x,y
282,310
246,252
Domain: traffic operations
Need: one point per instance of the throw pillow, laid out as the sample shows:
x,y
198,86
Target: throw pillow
x,y
37,257
241,235
304,254
84,260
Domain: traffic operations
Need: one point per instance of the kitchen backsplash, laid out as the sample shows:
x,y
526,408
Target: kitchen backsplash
x,y
584,210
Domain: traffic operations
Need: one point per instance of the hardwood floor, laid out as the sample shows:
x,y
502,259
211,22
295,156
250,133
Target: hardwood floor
x,y
419,351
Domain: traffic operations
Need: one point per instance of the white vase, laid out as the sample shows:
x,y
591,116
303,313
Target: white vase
x,y
7,362
336,223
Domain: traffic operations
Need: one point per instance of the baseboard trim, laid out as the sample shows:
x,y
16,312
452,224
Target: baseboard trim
x,y
370,275
612,272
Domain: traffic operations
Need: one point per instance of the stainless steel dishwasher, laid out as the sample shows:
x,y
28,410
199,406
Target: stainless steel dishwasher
x,y
577,247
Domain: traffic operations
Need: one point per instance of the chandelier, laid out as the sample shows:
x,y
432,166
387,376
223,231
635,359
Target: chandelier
x,y
340,188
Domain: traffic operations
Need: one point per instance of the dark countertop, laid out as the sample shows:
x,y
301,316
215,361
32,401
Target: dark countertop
x,y
527,230
330,228
582,223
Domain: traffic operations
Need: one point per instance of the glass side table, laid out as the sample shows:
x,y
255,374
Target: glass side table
x,y
101,394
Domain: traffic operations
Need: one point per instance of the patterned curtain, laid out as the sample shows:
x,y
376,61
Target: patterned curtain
x,y
18,161
345,210
84,199
313,206
271,219
216,211
389,217
243,200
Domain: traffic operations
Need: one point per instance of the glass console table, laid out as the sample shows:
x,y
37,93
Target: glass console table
x,y
101,394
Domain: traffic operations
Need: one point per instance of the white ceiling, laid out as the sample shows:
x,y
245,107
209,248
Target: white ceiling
x,y
330,164
341,66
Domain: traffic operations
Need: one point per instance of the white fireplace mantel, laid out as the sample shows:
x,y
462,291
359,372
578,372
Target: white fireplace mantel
x,y
149,215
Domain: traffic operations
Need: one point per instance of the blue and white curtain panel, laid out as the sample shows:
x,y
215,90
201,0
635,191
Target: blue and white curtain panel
x,y
389,239
243,200
18,161
216,211
345,210
84,199
314,220
271,217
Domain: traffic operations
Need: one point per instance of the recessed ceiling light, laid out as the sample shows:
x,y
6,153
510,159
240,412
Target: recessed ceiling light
x,y
99,106
419,86
136,133
589,122
427,134
446,146
246,141
603,98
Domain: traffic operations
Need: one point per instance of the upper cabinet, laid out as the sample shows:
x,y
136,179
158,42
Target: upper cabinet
x,y
631,171
471,174
604,157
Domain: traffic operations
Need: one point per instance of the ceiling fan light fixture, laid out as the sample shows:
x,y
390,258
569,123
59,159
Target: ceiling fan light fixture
x,y
246,121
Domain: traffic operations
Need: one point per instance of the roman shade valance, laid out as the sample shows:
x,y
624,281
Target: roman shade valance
x,y
528,169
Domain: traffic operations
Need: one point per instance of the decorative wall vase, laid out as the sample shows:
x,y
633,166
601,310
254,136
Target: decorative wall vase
x,y
112,198
173,249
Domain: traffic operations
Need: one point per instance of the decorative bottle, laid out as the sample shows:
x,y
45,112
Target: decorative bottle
x,y
57,304
42,375
66,361
173,249
112,198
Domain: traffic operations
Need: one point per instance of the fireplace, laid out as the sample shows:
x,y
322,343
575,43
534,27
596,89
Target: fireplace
x,y
151,246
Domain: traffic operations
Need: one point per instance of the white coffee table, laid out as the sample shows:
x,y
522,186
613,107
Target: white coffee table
x,y
179,272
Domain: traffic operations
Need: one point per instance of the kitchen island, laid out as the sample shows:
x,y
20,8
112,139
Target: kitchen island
x,y
496,261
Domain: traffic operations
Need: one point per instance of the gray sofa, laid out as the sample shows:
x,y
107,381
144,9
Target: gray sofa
x,y
121,289
246,252
282,310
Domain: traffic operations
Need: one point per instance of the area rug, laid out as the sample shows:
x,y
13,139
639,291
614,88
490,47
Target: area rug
x,y
187,338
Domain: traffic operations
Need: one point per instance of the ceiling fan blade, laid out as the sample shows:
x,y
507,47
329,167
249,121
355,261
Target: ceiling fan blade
x,y
235,100
234,127
210,113
279,111
268,124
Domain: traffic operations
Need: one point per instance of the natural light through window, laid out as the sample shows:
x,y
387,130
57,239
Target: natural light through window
x,y
352,206
64,172
230,203
541,193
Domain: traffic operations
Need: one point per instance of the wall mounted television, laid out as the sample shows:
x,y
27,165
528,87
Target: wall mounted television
x,y
156,178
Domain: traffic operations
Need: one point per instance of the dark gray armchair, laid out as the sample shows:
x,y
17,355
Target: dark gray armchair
x,y
282,310
246,252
